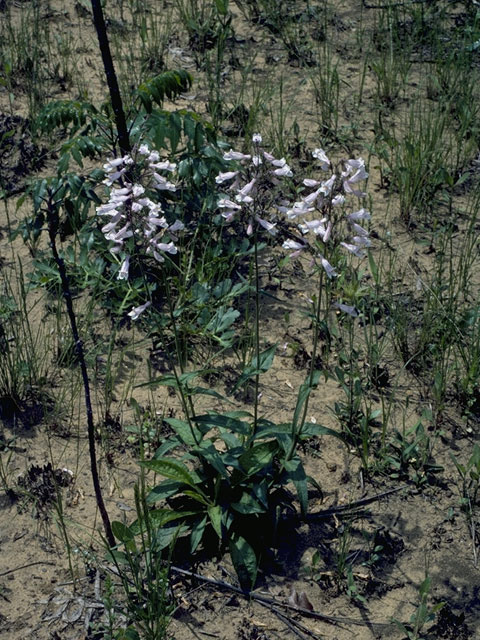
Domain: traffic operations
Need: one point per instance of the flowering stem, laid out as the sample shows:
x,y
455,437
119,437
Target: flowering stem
x,y
186,399
257,335
52,214
298,428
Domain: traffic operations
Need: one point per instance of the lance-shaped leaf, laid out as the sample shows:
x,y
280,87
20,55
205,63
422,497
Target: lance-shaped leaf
x,y
257,366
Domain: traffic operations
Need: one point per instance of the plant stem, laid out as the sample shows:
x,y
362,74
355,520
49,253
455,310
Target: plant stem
x,y
52,214
115,97
257,336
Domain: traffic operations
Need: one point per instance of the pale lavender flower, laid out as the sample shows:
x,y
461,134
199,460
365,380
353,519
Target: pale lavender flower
x,y
319,154
227,175
338,200
123,273
242,195
268,226
359,230
329,270
361,214
317,226
346,308
353,249
327,186
257,138
362,241
136,312
236,155
165,165
283,172
298,247
328,232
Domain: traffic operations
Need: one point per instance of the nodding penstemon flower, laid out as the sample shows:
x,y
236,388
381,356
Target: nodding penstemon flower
x,y
133,214
333,225
252,187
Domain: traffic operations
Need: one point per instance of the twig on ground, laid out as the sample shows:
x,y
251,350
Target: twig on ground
x,y
25,566
272,601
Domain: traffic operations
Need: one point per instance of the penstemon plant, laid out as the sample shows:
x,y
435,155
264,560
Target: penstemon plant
x,y
226,474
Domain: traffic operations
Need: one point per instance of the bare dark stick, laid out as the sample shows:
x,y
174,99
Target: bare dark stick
x,y
115,97
52,213
268,601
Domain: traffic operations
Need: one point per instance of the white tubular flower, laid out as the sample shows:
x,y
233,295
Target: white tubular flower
x,y
236,155
168,248
269,226
123,273
298,247
143,150
112,164
327,186
165,165
329,270
137,190
227,175
162,183
362,241
299,209
109,209
317,226
309,182
225,203
359,230
353,249
283,172
293,244
257,138
176,226
346,308
136,312
361,214
242,195
328,233
319,154
312,197
338,200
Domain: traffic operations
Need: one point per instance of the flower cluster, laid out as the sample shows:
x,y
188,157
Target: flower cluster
x,y
321,212
135,221
252,187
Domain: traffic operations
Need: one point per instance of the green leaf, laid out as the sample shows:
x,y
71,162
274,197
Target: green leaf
x,y
303,393
164,490
296,474
158,518
122,532
222,7
244,560
258,457
226,421
183,430
215,515
127,634
208,452
170,469
197,533
257,366
248,505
